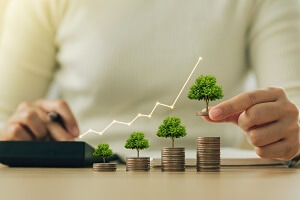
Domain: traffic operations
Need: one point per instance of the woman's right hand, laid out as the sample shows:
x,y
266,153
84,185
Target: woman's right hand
x,y
31,122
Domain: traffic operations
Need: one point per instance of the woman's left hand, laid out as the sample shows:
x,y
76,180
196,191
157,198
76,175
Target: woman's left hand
x,y
269,118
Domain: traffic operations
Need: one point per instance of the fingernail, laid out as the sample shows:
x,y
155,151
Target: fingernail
x,y
75,131
204,109
215,113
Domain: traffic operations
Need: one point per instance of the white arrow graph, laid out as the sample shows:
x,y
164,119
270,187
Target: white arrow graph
x,y
145,115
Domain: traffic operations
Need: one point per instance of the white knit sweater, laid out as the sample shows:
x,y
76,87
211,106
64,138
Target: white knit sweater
x,y
114,59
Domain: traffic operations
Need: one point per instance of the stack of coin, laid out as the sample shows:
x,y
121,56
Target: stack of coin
x,y
138,164
105,167
173,159
208,154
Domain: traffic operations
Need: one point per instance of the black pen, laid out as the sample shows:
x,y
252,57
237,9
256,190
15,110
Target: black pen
x,y
55,117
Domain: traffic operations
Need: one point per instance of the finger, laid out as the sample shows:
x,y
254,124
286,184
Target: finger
x,y
259,114
57,132
243,101
64,111
231,119
284,149
16,132
32,121
272,132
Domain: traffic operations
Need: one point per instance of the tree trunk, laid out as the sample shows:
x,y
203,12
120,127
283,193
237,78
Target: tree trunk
x,y
103,160
173,142
138,153
207,101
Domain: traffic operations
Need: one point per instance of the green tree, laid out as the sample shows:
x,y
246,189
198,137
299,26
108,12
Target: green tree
x,y
205,88
137,141
103,151
171,128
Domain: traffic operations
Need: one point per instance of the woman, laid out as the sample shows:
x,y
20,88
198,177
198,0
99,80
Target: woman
x,y
115,59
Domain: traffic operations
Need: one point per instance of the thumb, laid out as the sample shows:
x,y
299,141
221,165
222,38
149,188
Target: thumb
x,y
231,118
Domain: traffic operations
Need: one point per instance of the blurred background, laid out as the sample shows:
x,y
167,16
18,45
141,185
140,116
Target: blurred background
x,y
251,82
3,4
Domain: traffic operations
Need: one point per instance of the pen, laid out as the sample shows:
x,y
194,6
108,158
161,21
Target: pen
x,y
55,117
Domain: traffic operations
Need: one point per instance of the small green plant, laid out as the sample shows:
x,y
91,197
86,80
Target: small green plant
x,y
103,151
171,128
137,141
205,88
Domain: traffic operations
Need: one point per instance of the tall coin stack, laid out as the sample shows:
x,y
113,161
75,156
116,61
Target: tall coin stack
x,y
208,154
173,159
105,167
138,164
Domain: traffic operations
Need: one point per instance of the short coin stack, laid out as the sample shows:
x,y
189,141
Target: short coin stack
x,y
105,167
208,154
138,164
173,159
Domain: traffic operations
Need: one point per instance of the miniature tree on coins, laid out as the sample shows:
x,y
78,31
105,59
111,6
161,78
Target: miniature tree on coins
x,y
205,88
103,151
171,128
137,141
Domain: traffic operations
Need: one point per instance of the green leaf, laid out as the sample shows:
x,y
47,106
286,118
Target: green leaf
x,y
171,128
103,151
137,141
205,88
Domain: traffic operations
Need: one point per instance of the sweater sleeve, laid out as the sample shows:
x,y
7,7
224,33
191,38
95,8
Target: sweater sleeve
x,y
274,45
27,54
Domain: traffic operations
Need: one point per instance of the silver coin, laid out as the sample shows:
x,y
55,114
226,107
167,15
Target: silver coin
x,y
138,164
104,167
